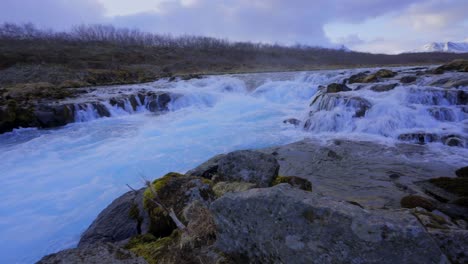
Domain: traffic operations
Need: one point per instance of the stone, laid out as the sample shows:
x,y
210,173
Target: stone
x,y
207,169
336,88
282,224
248,166
124,218
456,65
294,181
293,121
357,78
95,254
222,188
408,79
454,243
383,87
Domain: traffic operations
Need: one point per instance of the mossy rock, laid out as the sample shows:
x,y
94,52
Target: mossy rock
x,y
384,73
294,181
174,191
456,65
337,87
457,186
413,201
222,188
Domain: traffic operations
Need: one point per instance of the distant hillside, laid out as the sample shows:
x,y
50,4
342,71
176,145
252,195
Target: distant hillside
x,y
453,47
99,55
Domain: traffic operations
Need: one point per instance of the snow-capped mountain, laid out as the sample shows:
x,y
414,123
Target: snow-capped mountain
x,y
455,47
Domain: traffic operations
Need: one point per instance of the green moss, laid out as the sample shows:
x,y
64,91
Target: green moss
x,y
151,249
294,181
458,186
158,184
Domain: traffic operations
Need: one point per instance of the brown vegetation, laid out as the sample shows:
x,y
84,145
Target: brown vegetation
x,y
101,54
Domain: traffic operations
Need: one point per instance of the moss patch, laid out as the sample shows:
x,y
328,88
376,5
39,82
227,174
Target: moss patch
x,y
154,250
458,186
294,181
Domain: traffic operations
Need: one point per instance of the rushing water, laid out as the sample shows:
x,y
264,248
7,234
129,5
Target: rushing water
x,y
55,182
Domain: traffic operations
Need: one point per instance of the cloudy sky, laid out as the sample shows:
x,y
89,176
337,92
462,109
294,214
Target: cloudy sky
x,y
388,26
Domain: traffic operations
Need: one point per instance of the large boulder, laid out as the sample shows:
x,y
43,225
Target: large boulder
x,y
286,225
248,166
124,218
95,254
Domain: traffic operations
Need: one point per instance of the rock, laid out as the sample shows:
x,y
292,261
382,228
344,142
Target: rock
x,y
359,170
101,109
462,172
295,182
452,82
357,78
413,201
408,79
360,105
207,169
158,102
286,225
419,137
336,88
383,87
97,253
292,121
457,186
175,191
13,115
454,243
222,188
248,166
384,73
456,65
124,218
454,142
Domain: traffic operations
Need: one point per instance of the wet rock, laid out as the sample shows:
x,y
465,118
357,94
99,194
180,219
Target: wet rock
x,y
336,88
97,253
327,102
101,109
419,137
462,172
13,115
454,142
248,166
159,102
452,82
286,225
357,78
456,65
443,113
292,121
383,87
408,79
124,218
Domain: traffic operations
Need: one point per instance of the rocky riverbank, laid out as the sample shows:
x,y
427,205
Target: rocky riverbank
x,y
308,202
45,106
